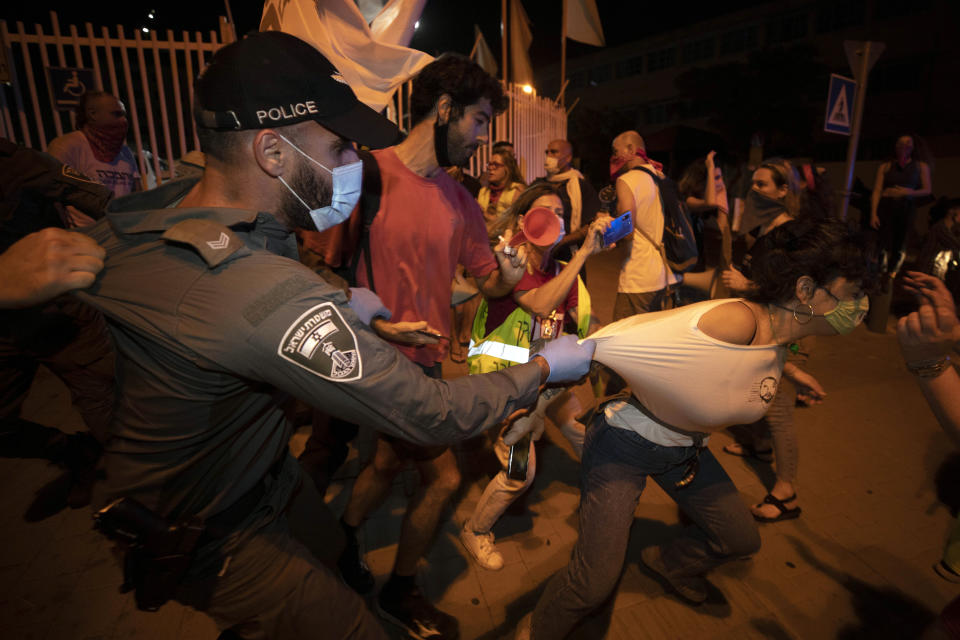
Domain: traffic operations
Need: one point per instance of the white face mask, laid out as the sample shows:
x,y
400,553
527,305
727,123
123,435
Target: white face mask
x,y
550,164
347,183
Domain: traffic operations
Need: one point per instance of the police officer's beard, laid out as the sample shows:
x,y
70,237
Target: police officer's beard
x,y
314,190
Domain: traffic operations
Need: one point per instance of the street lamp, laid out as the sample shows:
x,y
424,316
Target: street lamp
x,y
527,88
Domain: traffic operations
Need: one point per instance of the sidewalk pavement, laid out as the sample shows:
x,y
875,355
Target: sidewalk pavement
x,y
856,564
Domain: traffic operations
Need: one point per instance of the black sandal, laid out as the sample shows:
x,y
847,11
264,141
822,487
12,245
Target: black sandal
x,y
785,513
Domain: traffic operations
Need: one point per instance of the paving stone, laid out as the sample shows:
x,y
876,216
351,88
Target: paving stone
x,y
96,619
133,624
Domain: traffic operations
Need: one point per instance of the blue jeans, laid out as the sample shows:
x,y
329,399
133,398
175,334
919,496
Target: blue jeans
x,y
616,463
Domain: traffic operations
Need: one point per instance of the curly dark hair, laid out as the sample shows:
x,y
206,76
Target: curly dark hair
x,y
459,77
694,180
821,249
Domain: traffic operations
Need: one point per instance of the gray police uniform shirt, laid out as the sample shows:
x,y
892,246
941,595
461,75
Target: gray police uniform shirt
x,y
215,323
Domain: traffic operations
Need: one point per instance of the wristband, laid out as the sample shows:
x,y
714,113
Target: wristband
x,y
930,368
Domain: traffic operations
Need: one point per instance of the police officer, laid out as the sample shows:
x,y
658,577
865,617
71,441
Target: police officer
x,y
216,325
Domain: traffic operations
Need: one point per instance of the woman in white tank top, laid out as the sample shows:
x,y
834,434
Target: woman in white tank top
x,y
694,370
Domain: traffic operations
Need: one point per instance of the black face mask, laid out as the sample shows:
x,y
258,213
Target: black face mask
x,y
440,143
758,210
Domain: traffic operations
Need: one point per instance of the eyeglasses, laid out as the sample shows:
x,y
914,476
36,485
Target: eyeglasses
x,y
856,296
495,165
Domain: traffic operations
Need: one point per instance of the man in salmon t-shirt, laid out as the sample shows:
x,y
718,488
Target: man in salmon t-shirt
x,y
427,224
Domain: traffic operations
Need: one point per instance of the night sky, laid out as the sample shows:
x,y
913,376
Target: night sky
x,y
446,25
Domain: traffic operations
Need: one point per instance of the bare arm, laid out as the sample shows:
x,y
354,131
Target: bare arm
x,y
809,390
710,194
723,221
547,297
726,235
876,195
575,237
495,284
943,396
735,281
927,336
718,197
733,322
625,200
501,281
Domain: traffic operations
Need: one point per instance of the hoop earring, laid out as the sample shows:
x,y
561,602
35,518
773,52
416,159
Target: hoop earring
x,y
807,313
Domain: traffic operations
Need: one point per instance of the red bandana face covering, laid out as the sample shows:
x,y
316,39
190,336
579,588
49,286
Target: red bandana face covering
x,y
106,140
617,163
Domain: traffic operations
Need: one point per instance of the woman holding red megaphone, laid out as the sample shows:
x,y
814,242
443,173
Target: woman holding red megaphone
x,y
508,330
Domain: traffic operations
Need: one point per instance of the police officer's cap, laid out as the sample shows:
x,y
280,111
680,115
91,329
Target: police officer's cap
x,y
273,79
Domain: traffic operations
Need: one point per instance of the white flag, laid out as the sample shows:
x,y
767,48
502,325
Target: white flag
x,y
372,68
482,54
521,71
396,22
370,8
583,22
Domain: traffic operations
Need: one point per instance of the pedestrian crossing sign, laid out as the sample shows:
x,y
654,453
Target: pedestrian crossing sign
x,y
840,105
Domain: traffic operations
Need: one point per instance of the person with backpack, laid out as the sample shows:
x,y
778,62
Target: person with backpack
x,y
424,226
646,280
216,327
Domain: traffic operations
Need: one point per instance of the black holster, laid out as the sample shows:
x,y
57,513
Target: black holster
x,y
157,553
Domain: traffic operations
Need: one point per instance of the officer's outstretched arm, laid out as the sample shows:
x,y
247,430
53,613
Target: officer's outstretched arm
x,y
318,350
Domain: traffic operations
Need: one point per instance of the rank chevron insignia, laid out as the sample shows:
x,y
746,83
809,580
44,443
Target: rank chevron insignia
x,y
220,243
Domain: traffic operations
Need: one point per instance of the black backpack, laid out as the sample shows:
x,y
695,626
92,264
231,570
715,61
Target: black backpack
x,y
678,246
368,208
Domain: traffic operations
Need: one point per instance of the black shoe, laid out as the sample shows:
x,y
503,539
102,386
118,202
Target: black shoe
x,y
693,589
411,611
81,453
353,569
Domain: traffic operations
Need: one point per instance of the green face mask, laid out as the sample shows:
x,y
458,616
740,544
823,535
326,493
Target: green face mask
x,y
845,317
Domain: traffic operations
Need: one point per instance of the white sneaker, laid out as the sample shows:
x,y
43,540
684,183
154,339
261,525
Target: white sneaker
x,y
481,547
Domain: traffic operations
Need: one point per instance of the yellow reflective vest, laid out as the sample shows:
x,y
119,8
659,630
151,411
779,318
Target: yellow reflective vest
x,y
509,343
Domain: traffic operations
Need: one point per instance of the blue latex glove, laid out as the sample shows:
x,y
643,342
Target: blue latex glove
x,y
568,360
367,305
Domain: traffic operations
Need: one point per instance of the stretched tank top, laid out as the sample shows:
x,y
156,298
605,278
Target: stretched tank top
x,y
684,377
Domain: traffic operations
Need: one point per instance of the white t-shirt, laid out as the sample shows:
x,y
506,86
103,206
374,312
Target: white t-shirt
x,y
684,377
120,176
643,270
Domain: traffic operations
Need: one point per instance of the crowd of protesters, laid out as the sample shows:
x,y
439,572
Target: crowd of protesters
x,y
402,259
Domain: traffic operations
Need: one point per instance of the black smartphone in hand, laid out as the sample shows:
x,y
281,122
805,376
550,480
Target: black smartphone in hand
x,y
518,458
430,334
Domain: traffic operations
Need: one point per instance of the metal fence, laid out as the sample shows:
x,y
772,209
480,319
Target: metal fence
x,y
153,76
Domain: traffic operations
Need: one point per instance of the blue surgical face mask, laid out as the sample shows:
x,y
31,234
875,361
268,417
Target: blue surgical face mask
x,y
347,184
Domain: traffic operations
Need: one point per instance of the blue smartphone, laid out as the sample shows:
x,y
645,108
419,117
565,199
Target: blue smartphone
x,y
619,228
